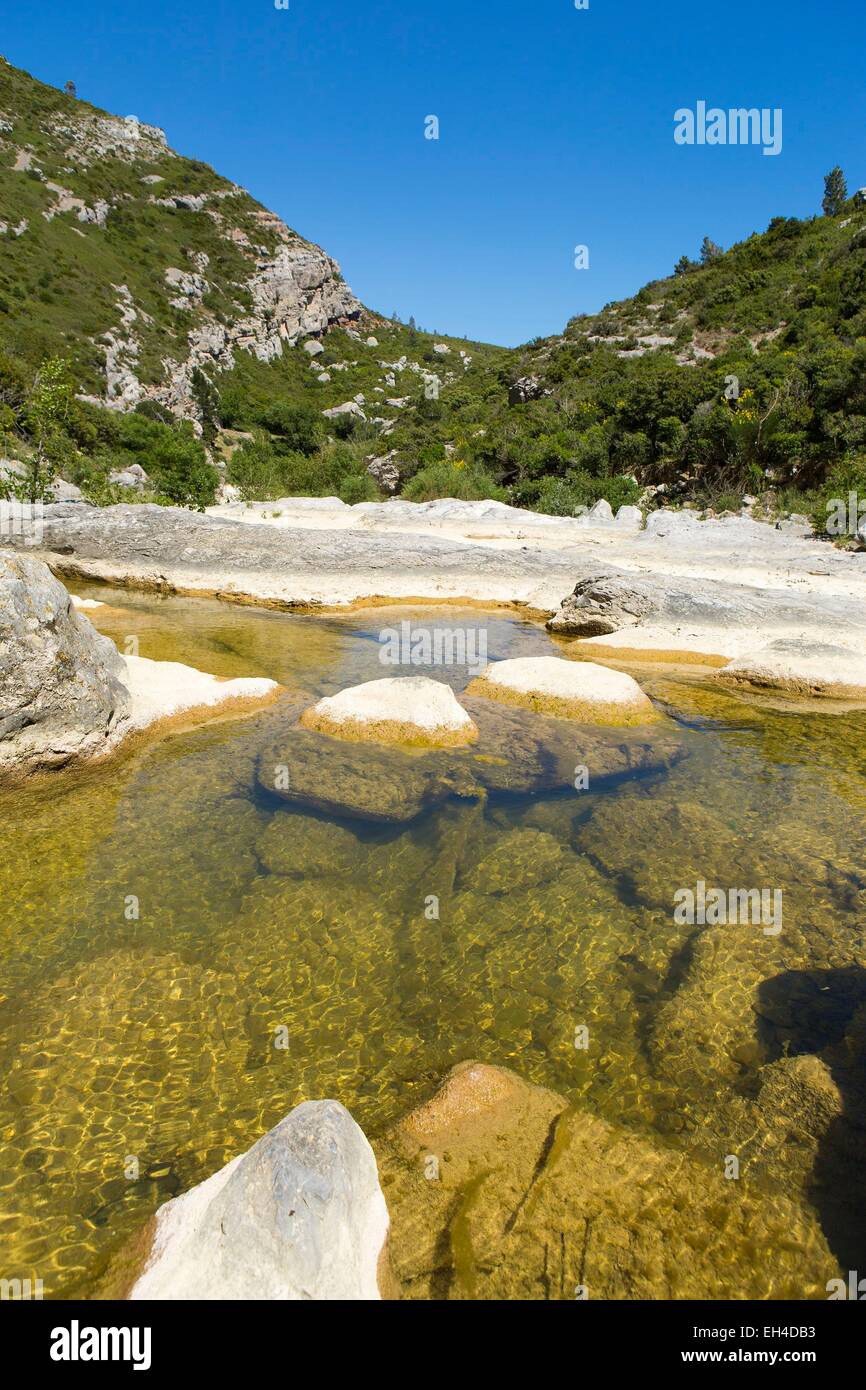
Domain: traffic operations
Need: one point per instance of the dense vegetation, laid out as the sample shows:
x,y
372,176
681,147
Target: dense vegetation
x,y
742,372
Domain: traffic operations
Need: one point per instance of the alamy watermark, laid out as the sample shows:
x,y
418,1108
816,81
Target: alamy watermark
x,y
21,1290
21,521
434,646
736,126
845,517
719,907
854,1289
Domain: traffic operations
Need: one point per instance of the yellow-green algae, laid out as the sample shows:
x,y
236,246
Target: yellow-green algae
x,y
185,959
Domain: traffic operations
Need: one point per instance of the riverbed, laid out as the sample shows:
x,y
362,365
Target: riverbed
x,y
185,958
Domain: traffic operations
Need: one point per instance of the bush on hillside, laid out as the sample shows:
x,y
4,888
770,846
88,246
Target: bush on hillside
x,y
453,478
843,494
577,491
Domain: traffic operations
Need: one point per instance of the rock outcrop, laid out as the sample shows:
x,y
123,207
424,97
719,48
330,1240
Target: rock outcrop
x,y
300,1216
66,693
62,686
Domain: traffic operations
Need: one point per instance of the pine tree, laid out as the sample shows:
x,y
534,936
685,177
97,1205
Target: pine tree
x,y
710,251
835,192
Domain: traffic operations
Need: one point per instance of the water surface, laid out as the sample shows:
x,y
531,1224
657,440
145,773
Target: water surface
x,y
184,958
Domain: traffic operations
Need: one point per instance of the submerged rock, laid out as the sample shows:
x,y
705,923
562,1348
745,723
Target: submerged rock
x,y
498,1189
62,685
304,846
400,709
300,1216
517,751
342,778
579,690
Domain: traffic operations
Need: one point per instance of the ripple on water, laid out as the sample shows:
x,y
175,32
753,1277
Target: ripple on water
x,y
184,958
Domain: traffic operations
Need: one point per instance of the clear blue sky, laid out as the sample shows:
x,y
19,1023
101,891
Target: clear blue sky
x,y
556,130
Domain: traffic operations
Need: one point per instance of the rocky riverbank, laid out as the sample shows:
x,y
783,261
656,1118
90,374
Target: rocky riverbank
x,y
717,591
67,695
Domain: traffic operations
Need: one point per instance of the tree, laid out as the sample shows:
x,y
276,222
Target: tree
x,y
179,465
710,251
207,398
683,266
835,192
70,89
46,412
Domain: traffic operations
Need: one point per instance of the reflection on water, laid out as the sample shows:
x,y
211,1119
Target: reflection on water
x,y
184,958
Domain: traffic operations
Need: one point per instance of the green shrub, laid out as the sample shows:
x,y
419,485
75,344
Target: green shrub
x,y
568,496
358,487
299,427
841,499
454,478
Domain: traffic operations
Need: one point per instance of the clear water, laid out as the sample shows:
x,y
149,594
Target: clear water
x,y
138,1051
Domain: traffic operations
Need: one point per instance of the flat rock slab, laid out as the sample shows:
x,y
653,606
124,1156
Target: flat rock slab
x,y
609,601
801,668
171,550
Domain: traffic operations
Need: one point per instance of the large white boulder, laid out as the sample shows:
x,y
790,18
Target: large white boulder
x,y
399,709
301,1215
347,408
567,689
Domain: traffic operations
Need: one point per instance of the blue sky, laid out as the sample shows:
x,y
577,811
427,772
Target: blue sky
x,y
556,129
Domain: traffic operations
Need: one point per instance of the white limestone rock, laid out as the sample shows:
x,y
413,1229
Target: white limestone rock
x,y
398,709
579,690
165,689
300,1216
800,667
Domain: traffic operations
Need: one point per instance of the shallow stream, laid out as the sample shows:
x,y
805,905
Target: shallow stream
x,y
183,958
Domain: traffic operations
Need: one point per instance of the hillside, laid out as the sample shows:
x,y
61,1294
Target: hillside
x,y
744,374
202,339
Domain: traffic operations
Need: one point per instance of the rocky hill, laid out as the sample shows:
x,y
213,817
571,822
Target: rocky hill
x,y
205,342
139,264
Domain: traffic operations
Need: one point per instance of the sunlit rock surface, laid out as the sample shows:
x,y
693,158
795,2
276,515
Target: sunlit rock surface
x,y
62,690
300,1216
580,690
399,709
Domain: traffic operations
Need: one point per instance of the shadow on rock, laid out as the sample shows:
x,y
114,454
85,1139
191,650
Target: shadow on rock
x,y
823,1013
